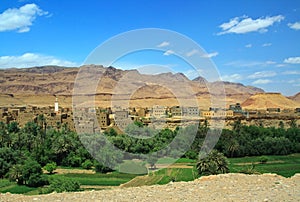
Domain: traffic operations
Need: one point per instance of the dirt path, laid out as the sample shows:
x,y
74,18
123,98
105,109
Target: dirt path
x,y
250,163
73,170
226,187
175,165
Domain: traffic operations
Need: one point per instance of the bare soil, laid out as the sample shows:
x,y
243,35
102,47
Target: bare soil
x,y
226,187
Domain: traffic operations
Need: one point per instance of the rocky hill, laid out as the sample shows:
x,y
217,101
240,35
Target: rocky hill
x,y
225,187
39,85
296,97
269,100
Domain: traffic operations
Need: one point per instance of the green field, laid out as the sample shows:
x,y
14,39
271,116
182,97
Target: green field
x,y
168,160
97,179
283,165
286,166
7,186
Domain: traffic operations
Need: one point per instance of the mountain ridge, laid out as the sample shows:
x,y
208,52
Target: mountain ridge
x,y
143,89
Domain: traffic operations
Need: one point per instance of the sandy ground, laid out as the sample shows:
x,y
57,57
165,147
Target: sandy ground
x,y
226,187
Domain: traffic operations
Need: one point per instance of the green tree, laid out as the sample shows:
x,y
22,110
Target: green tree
x,y
13,127
5,138
281,124
15,174
138,123
7,159
293,123
60,185
102,150
37,180
232,147
29,173
100,168
31,167
237,126
50,167
87,164
214,163
30,134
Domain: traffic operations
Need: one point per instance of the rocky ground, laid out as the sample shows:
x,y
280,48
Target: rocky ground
x,y
226,187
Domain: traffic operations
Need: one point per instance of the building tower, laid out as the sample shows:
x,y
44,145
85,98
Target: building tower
x,y
56,106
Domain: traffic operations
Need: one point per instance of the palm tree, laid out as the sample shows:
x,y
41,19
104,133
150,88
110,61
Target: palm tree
x,y
237,126
233,146
214,163
15,173
293,123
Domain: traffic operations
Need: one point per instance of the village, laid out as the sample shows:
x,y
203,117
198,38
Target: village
x,y
90,120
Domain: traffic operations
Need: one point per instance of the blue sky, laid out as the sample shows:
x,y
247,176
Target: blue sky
x,y
251,42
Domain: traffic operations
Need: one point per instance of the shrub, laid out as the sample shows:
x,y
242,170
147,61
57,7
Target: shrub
x,y
72,160
23,173
263,159
60,185
37,180
99,168
214,163
50,167
191,154
87,164
250,170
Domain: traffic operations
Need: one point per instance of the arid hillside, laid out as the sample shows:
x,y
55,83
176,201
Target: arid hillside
x,y
296,97
40,85
269,100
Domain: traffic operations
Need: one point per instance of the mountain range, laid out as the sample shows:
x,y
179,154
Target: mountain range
x,y
40,85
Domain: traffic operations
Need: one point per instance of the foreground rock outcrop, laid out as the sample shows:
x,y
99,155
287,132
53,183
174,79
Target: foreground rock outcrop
x,y
226,187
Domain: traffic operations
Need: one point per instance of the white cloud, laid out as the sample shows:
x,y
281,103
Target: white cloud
x,y
163,44
280,65
241,25
204,55
193,73
291,72
262,74
266,44
227,25
20,19
243,63
292,60
270,62
262,81
232,77
295,26
294,81
192,52
210,55
240,63
248,45
31,60
169,52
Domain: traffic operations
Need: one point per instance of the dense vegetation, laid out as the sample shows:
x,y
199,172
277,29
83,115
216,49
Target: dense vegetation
x,y
25,151
255,141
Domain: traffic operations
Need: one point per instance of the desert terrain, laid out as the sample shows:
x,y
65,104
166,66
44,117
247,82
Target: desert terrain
x,y
39,86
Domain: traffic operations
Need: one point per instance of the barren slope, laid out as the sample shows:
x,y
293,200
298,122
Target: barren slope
x,y
269,100
38,85
296,97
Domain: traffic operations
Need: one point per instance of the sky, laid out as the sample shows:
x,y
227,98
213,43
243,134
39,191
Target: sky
x,y
250,42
